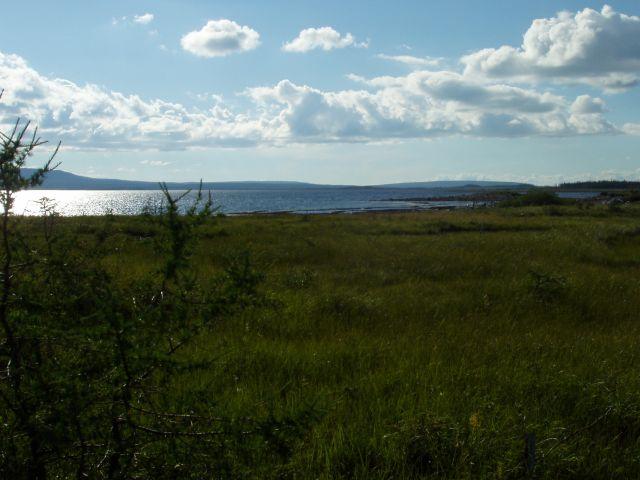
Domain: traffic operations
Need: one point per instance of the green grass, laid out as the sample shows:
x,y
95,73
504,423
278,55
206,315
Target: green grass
x,y
429,343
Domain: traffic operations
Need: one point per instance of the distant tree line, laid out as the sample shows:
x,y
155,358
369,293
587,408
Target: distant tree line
x,y
601,185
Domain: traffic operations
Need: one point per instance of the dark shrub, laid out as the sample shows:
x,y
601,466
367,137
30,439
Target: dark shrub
x,y
535,198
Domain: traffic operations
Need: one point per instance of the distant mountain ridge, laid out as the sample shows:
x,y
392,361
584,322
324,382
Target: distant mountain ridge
x,y
61,180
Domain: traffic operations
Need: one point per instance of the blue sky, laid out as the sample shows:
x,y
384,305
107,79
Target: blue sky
x,y
331,92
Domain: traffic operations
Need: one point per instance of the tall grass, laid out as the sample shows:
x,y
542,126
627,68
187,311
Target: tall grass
x,y
429,344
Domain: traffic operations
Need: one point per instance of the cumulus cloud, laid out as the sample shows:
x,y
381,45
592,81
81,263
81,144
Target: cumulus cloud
x,y
219,38
596,48
324,38
422,104
587,105
91,117
466,93
631,129
144,19
411,61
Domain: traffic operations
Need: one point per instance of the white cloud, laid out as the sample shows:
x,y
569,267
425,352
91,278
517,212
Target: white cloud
x,y
155,163
144,19
464,92
587,105
324,38
631,129
415,62
219,38
422,104
91,117
589,47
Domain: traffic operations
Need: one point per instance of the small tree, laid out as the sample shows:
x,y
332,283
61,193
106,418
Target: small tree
x,y
15,148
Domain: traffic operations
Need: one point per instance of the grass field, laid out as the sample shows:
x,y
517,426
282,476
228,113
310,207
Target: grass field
x,y
429,344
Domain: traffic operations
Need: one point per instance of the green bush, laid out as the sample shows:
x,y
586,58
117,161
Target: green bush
x,y
534,198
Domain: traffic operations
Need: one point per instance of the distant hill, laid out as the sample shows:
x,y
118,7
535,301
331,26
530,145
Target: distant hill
x,y
61,180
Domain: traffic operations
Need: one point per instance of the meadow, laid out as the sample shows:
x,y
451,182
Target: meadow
x,y
488,343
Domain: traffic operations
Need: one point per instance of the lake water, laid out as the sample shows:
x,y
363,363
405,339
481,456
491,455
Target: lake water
x,y
327,200
295,200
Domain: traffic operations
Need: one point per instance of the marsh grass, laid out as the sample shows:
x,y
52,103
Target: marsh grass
x,y
428,344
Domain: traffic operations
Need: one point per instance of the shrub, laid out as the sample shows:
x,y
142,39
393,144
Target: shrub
x,y
534,198
547,288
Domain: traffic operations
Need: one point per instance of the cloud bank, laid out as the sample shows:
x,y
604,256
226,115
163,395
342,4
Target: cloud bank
x,y
91,117
219,38
419,105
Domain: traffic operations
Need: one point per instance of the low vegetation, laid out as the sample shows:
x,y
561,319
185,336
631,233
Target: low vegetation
x,y
397,345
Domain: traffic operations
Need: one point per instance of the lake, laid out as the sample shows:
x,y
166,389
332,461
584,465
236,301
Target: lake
x,y
70,203
295,200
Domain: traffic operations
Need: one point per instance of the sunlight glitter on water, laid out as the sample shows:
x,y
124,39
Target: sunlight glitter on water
x,y
71,203
132,202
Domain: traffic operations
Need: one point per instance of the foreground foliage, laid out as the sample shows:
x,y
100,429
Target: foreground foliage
x,y
91,357
430,343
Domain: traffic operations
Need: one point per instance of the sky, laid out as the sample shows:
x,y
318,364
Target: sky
x,y
357,92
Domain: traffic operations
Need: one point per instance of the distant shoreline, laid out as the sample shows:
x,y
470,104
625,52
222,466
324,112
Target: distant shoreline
x,y
62,180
